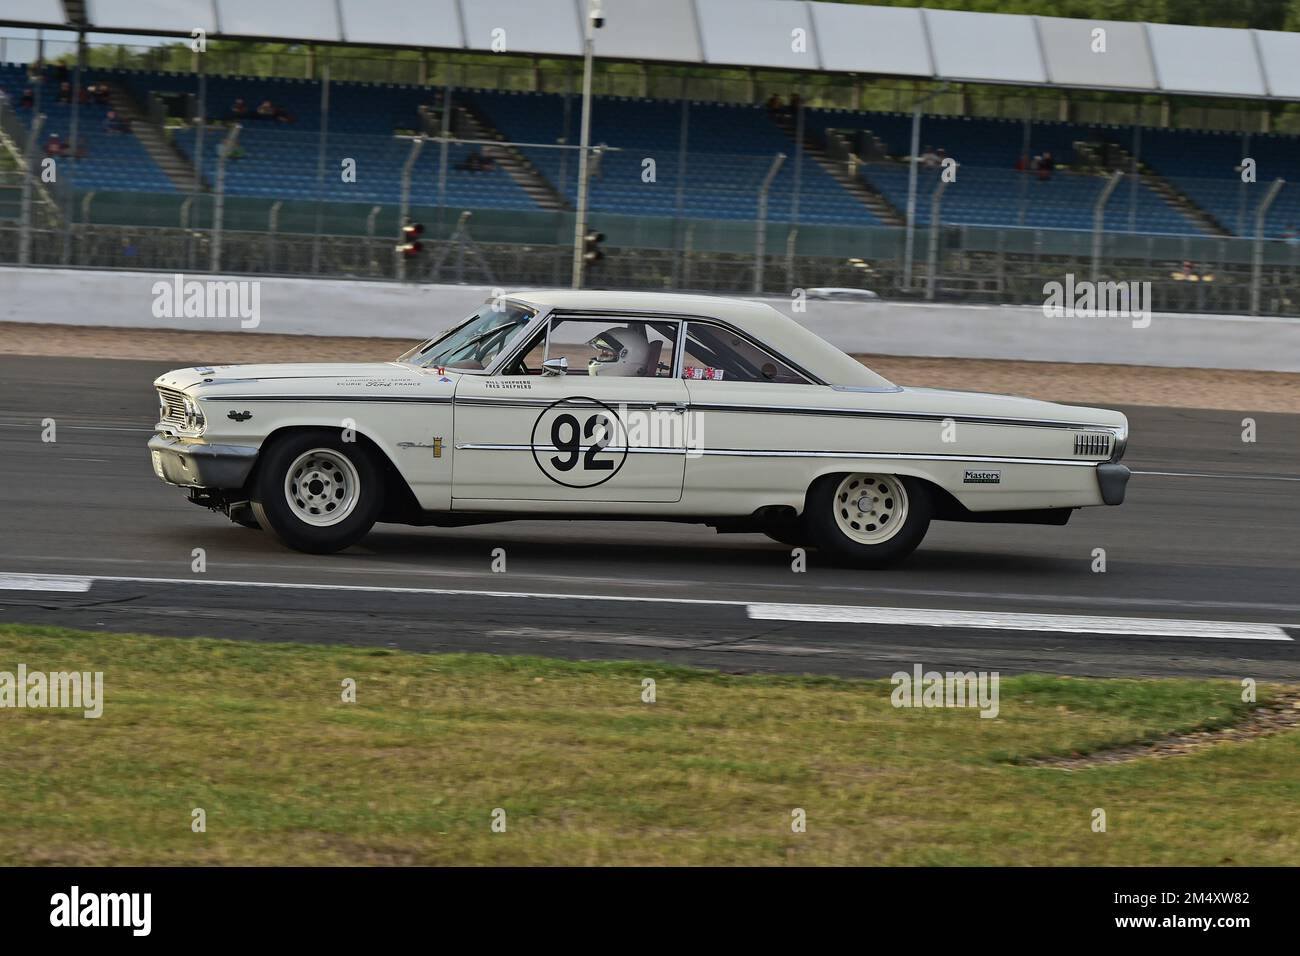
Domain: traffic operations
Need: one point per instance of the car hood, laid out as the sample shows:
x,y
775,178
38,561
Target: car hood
x,y
305,376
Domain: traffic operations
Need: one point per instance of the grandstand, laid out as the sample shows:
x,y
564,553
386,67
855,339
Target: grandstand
x,y
841,193
730,149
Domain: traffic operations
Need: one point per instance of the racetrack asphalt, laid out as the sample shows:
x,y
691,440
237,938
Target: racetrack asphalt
x,y
1210,533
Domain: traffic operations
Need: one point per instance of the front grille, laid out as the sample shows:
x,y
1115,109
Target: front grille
x,y
171,407
1093,444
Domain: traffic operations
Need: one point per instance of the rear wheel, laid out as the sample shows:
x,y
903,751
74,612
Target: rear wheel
x,y
869,520
316,492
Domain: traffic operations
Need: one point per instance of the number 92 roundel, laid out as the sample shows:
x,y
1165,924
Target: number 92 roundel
x,y
579,442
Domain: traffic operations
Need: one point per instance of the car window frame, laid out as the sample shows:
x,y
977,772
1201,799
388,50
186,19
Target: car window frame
x,y
544,328
727,328
544,314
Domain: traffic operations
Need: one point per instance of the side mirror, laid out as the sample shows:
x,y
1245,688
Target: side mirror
x,y
556,366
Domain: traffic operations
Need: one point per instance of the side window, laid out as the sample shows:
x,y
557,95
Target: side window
x,y
613,347
712,353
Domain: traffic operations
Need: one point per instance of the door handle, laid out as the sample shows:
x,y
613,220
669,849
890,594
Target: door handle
x,y
669,406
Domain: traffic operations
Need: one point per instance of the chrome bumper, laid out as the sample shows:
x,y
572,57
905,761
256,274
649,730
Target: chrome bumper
x,y
194,465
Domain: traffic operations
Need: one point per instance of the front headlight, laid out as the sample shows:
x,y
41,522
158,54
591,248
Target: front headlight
x,y
194,420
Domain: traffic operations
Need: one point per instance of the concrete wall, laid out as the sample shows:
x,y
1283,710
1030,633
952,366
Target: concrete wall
x,y
382,309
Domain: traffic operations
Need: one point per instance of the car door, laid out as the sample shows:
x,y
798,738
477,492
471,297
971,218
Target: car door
x,y
608,432
753,420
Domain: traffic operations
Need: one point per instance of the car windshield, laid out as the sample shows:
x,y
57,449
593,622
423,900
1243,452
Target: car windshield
x,y
476,342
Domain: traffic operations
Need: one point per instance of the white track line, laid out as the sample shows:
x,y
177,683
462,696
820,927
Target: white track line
x,y
821,613
44,582
1200,474
1009,621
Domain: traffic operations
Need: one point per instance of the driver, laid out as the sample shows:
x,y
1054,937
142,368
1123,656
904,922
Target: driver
x,y
623,350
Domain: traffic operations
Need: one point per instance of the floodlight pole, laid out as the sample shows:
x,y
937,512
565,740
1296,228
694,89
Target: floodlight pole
x,y
580,219
1099,221
74,144
25,216
321,146
1257,267
272,232
760,243
417,144
933,264
219,207
909,244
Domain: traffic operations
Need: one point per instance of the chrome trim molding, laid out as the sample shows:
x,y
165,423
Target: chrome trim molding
x,y
805,410
903,416
630,449
381,399
785,453
577,402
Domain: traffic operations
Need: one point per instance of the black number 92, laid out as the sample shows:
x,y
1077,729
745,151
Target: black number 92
x,y
566,438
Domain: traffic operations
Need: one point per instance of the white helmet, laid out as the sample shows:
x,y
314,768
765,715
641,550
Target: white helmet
x,y
621,351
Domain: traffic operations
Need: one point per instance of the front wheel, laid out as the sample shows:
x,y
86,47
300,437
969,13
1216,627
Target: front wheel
x,y
316,492
869,520
241,513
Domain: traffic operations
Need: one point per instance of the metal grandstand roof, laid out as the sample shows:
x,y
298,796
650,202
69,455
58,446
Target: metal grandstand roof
x,y
760,34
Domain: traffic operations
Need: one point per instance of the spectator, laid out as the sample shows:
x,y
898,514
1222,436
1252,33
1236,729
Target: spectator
x,y
65,92
61,73
28,100
102,94
54,146
113,123
774,105
1045,166
475,162
929,158
239,108
266,110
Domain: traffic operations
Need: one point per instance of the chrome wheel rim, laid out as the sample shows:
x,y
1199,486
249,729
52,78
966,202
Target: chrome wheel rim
x,y
321,487
870,509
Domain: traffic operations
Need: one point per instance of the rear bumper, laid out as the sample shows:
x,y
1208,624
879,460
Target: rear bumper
x,y
1112,479
192,465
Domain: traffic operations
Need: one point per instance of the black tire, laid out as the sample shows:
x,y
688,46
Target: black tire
x,y
825,499
241,513
787,529
271,502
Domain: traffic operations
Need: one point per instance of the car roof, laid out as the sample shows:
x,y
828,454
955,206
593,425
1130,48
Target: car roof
x,y
786,336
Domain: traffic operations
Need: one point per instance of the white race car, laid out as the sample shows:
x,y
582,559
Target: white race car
x,y
631,405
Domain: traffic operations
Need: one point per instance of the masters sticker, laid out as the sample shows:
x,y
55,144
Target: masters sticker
x,y
974,477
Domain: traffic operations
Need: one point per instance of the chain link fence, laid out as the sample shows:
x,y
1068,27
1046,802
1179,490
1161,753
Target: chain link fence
x,y
971,265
